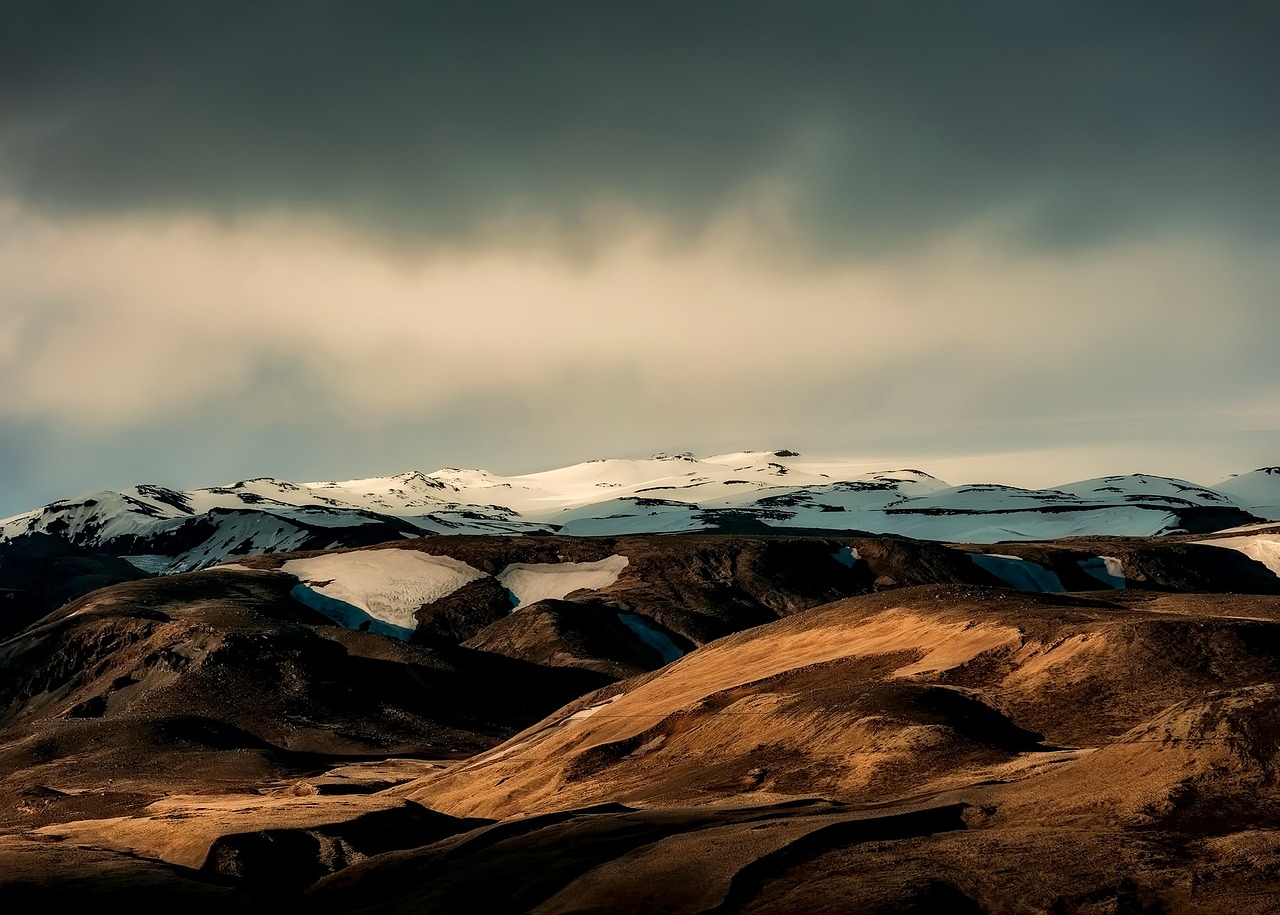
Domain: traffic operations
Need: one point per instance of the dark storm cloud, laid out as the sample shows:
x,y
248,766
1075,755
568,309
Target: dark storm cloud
x,y
882,121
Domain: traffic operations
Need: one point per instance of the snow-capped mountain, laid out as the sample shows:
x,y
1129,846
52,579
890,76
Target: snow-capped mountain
x,y
1257,492
161,529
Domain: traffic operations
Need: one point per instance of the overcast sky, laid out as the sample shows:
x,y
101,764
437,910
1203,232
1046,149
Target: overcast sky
x,y
1029,242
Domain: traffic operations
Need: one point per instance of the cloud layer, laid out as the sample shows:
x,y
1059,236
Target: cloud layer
x,y
326,239
883,121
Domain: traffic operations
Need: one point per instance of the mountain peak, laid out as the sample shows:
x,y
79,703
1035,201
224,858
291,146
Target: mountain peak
x,y
671,492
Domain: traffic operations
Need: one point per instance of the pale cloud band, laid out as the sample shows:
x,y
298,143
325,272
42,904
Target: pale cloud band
x,y
123,321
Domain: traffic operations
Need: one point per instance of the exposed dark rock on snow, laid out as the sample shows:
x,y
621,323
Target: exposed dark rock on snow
x,y
162,530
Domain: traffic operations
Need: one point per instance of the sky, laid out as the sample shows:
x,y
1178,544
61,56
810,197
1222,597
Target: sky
x,y
1010,241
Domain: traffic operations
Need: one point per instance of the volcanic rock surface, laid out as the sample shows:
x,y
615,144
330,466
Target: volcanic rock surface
x,y
692,723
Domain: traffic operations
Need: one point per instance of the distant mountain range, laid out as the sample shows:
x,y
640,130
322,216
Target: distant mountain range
x,y
164,530
748,717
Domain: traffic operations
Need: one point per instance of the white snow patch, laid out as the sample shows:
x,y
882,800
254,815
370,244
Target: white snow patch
x,y
529,582
389,585
1263,549
592,709
1270,527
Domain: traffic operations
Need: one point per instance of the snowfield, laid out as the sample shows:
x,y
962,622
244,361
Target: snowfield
x,y
382,589
1257,492
388,585
166,530
530,582
1263,548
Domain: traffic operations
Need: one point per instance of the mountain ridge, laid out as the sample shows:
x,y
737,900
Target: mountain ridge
x,y
161,529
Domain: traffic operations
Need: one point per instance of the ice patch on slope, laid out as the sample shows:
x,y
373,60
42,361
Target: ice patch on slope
x,y
1107,569
389,585
655,638
154,563
1017,572
846,556
529,582
347,615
